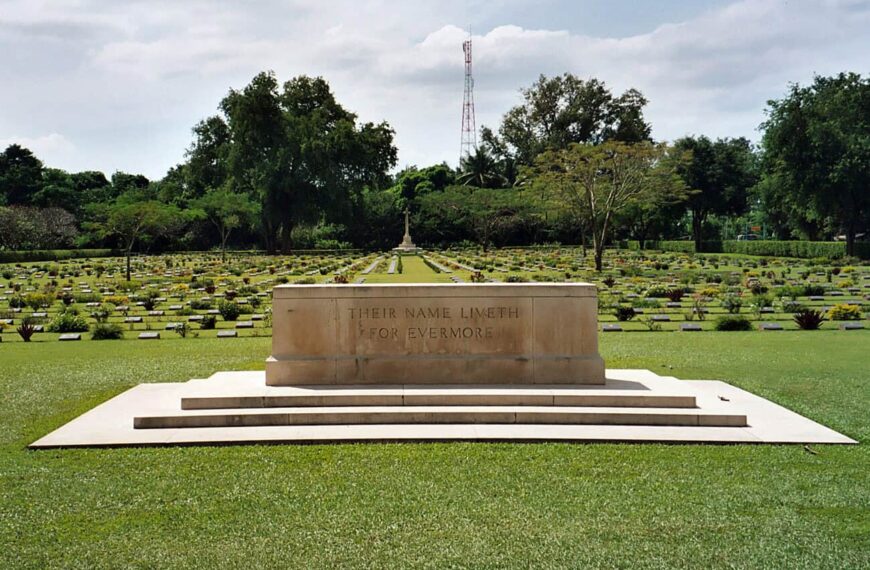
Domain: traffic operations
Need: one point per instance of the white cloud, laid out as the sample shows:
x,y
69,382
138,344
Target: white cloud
x,y
53,144
128,80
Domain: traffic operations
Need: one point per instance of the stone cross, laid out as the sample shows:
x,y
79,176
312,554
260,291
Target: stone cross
x,y
407,227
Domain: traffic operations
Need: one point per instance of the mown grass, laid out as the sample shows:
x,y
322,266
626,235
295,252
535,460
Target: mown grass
x,y
438,505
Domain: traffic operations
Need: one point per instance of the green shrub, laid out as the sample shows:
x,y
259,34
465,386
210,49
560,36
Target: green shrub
x,y
812,290
200,304
229,310
733,323
624,313
845,312
107,331
732,304
53,254
68,321
208,322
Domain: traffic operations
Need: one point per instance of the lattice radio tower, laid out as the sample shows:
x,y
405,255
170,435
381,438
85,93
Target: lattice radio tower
x,y
469,129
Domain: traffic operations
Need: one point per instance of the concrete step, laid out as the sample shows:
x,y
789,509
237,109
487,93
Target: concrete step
x,y
354,415
308,397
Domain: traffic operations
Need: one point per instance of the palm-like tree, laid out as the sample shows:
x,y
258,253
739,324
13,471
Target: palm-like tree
x,y
480,169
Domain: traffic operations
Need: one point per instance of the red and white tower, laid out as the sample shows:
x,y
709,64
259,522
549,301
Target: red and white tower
x,y
469,129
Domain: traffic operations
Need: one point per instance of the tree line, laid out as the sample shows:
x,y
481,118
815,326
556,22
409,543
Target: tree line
x,y
283,166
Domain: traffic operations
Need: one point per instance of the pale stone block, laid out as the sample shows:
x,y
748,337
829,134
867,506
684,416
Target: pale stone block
x,y
421,333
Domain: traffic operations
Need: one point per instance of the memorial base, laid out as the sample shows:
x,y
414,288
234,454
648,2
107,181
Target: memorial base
x,y
632,405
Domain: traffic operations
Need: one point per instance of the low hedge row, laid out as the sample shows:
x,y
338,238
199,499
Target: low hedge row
x,y
772,248
54,254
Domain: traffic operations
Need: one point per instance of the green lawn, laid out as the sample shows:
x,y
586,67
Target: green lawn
x,y
437,505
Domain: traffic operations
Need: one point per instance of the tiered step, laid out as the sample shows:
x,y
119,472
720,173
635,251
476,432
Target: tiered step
x,y
460,395
365,415
213,404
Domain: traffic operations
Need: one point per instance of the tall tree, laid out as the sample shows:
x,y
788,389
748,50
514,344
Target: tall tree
x,y
300,152
559,111
598,182
134,217
816,148
20,175
721,173
227,211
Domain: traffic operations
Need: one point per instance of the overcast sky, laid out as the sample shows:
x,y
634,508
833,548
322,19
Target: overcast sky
x,y
117,85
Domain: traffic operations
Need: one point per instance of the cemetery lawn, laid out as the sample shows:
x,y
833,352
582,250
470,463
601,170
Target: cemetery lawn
x,y
482,505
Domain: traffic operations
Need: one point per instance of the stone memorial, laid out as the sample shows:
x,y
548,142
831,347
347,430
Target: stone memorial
x,y
424,362
407,245
540,333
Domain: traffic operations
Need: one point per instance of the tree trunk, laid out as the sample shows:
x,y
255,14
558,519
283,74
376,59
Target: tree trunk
x,y
128,264
697,224
286,241
599,257
850,240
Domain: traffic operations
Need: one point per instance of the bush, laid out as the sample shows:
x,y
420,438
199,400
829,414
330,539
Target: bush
x,y
624,313
808,319
229,310
107,331
733,323
67,322
26,329
200,304
208,322
845,312
812,290
732,304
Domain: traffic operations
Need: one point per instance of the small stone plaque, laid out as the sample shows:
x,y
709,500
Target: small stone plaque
x,y
176,307
171,326
195,318
256,317
40,315
767,310
770,327
816,297
227,334
244,325
673,305
660,318
851,326
70,336
149,335
835,293
38,328
133,320
212,312
611,328
155,313
690,327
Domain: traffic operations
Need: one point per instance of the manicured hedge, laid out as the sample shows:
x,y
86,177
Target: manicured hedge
x,y
53,254
681,246
805,249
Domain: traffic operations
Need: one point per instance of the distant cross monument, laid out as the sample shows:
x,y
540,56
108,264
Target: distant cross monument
x,y
407,245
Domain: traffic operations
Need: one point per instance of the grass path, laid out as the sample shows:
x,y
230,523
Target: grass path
x,y
414,270
436,505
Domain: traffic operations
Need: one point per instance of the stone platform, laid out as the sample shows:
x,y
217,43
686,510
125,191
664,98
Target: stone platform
x,y
631,405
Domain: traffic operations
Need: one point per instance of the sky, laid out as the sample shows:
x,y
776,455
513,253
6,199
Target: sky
x,y
117,85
